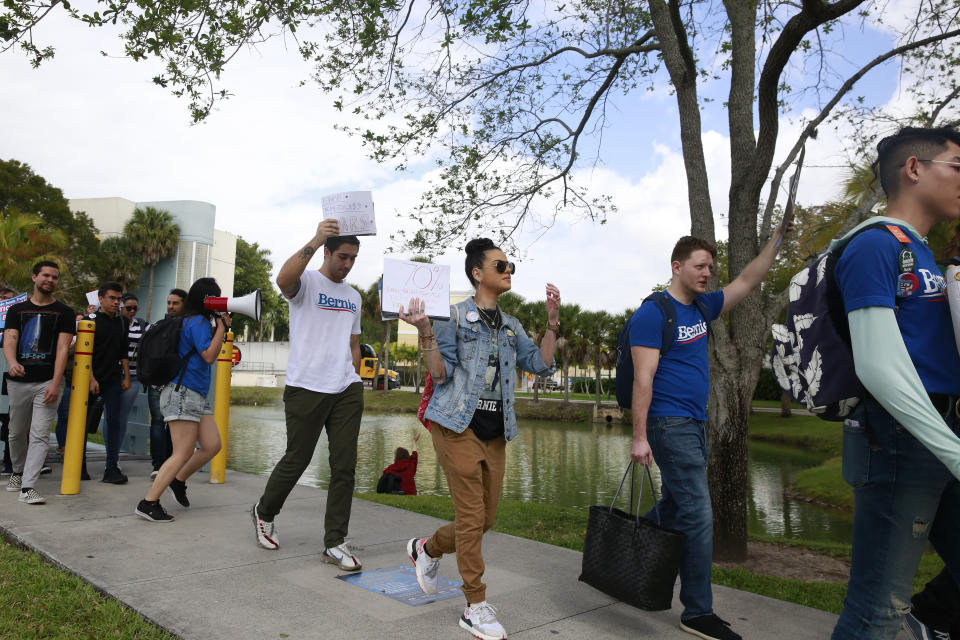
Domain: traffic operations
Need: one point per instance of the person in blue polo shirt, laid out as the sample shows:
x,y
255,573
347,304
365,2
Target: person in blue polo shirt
x,y
901,450
669,408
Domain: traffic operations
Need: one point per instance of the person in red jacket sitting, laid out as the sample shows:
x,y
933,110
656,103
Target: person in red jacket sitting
x,y
405,466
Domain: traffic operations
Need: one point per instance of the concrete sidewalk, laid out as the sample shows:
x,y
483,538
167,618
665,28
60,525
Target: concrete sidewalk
x,y
204,576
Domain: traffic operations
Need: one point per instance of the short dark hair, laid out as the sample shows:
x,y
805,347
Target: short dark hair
x,y
5,290
179,292
333,242
129,296
687,245
401,454
893,151
109,286
199,291
476,249
45,263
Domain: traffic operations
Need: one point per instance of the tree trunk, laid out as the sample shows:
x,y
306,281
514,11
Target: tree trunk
x,y
597,376
150,294
386,358
786,411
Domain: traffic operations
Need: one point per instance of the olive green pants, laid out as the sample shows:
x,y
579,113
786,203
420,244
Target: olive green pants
x,y
308,413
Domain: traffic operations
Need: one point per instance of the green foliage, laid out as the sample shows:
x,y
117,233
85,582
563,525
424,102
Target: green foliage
x,y
25,192
24,240
120,263
252,272
153,235
767,386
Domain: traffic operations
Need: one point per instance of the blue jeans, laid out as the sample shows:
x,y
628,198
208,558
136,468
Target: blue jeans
x,y
680,450
112,396
63,415
160,443
903,496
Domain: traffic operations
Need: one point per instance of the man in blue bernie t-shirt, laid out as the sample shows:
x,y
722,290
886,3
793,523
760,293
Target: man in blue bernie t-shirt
x,y
670,412
901,451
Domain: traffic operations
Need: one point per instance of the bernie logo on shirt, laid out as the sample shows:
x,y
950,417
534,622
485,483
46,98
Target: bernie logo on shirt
x,y
335,304
691,333
934,285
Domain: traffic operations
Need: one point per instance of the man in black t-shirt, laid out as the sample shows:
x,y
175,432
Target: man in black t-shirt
x,y
110,376
36,344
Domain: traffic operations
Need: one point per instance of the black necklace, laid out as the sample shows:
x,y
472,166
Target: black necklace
x,y
492,321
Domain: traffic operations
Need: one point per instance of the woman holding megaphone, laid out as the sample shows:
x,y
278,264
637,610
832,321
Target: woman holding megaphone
x,y
184,404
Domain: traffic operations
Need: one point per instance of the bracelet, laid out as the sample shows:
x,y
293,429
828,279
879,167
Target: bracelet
x,y
425,349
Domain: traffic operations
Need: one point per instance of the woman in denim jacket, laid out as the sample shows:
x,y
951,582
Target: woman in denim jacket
x,y
473,416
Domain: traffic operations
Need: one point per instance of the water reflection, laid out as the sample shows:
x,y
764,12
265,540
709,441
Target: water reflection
x,y
569,464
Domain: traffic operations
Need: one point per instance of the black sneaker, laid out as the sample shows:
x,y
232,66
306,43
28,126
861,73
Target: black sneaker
x,y
710,627
113,475
179,490
84,475
153,512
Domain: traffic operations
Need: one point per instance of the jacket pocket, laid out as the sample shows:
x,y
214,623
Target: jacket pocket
x,y
856,453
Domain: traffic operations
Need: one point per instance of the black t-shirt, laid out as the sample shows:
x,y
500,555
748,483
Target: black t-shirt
x,y
487,421
109,346
40,327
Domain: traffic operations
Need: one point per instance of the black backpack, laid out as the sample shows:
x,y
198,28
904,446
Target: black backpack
x,y
812,357
157,360
624,380
389,483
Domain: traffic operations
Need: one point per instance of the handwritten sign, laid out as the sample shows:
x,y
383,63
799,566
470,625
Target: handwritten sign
x,y
353,211
403,280
6,304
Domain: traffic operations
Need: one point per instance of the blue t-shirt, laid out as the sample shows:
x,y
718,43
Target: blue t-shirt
x,y
196,334
681,384
868,274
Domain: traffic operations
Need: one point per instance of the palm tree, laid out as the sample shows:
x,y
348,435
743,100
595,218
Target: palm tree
x,y
565,342
154,235
120,262
25,238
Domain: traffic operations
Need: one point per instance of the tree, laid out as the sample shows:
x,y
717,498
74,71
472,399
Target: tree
x,y
154,235
252,272
79,256
120,263
26,239
518,97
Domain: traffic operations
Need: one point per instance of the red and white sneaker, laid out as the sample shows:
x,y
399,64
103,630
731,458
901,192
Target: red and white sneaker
x,y
427,567
480,620
266,533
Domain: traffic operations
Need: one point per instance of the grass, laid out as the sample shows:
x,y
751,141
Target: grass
x,y
566,527
806,432
39,600
253,396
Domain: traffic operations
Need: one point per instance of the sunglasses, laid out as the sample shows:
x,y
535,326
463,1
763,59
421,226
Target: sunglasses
x,y
502,265
129,308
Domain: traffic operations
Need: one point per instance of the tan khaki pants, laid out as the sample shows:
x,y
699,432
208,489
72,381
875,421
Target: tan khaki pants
x,y
474,472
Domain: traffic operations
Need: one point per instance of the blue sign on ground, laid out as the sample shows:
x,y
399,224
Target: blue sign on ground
x,y
400,583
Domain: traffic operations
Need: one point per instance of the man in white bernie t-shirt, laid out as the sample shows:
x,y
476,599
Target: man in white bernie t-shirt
x,y
323,387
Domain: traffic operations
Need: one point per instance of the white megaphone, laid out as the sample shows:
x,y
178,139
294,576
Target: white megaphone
x,y
248,305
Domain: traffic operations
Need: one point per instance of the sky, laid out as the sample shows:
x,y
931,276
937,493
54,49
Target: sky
x,y
96,126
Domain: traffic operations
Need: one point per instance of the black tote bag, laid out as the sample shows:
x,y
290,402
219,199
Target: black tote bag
x,y
629,557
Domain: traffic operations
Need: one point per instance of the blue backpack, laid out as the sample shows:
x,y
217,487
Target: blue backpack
x,y
624,381
812,357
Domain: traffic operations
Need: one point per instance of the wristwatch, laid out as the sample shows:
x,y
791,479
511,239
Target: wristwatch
x,y
554,327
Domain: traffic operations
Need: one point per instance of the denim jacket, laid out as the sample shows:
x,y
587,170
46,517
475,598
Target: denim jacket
x,y
465,346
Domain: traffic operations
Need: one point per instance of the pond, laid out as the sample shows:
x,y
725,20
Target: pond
x,y
569,464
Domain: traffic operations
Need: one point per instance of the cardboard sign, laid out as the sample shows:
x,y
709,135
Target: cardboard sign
x,y
353,211
6,304
403,279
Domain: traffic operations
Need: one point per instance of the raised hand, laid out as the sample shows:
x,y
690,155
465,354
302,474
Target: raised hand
x,y
416,316
553,304
329,228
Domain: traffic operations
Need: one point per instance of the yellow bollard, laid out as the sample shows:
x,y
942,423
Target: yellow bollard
x,y
221,409
77,420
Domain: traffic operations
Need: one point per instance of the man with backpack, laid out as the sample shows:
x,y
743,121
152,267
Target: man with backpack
x,y
671,382
901,451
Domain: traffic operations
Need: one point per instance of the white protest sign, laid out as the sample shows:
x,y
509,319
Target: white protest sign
x,y
353,211
403,280
6,304
93,298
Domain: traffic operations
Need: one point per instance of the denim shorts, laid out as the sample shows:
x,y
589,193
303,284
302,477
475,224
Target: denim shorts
x,y
185,404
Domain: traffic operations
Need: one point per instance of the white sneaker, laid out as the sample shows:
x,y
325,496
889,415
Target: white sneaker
x,y
266,534
31,496
481,621
427,567
342,557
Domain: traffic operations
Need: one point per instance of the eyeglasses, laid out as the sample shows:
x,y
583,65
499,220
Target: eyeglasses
x,y
502,265
949,163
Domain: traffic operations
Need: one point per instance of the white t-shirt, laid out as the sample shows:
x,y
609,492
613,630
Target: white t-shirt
x,y
323,316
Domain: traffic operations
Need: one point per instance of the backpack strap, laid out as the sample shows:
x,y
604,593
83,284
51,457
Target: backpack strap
x,y
185,360
669,312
